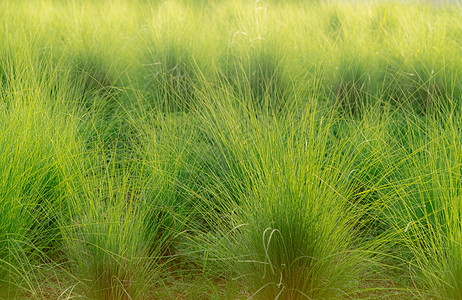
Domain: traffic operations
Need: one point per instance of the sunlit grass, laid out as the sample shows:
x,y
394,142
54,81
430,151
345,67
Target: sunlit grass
x,y
229,149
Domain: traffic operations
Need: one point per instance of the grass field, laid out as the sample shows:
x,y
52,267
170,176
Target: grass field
x,y
230,150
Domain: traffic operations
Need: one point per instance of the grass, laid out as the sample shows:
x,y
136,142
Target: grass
x,y
284,212
230,150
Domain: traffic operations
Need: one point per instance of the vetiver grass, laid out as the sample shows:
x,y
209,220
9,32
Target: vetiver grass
x,y
422,208
291,231
106,257
216,149
38,142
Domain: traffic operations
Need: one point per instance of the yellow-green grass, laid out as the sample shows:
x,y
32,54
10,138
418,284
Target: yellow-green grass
x,y
230,149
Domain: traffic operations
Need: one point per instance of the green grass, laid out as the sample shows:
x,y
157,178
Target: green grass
x,y
230,150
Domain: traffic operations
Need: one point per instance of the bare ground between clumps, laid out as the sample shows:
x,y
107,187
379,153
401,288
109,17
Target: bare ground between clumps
x,y
219,289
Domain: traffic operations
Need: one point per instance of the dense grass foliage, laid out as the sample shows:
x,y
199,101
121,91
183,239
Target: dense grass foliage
x,y
230,150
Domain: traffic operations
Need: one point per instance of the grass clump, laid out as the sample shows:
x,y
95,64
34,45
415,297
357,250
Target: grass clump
x,y
172,79
422,209
292,235
107,258
34,149
258,75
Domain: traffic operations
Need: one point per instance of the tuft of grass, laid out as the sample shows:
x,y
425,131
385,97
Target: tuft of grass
x,y
258,76
293,234
172,79
422,210
110,256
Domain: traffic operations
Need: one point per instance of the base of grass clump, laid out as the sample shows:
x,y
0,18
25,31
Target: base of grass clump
x,y
285,256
